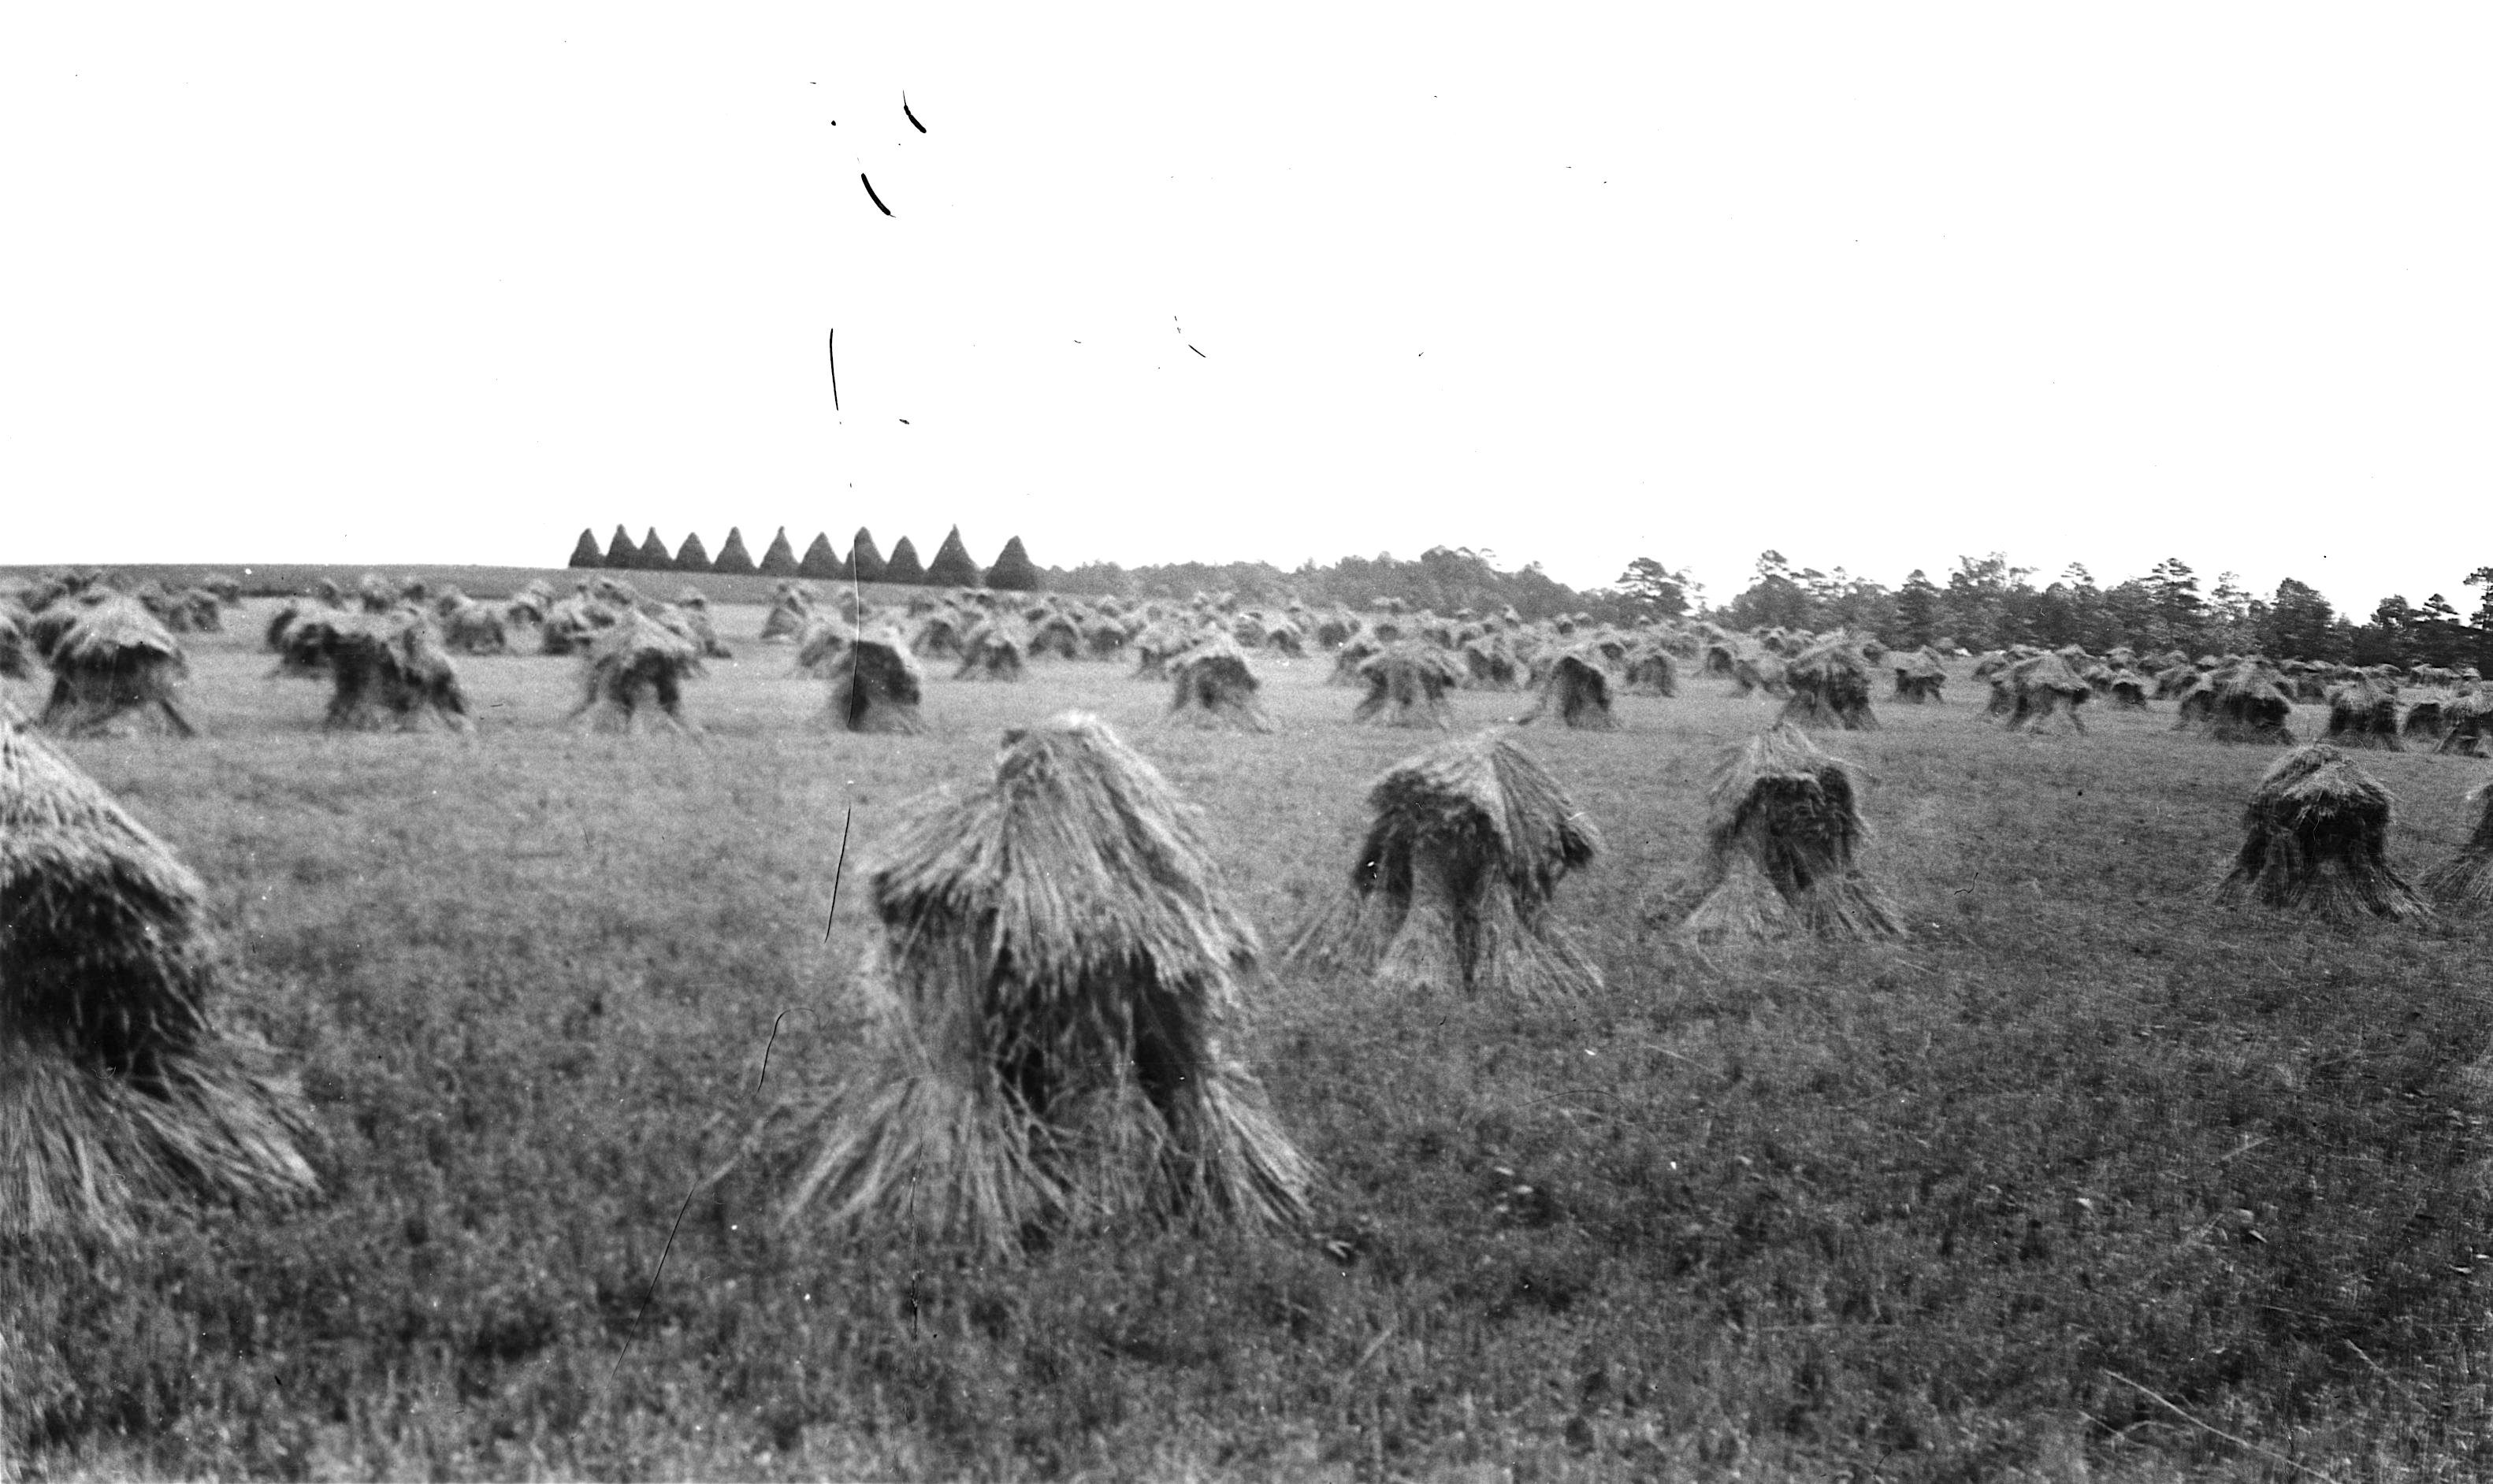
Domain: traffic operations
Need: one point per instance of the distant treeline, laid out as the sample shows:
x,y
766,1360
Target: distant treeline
x,y
863,562
1988,604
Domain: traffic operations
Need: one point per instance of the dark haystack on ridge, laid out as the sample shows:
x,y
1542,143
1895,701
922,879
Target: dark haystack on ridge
x,y
1214,689
110,657
2466,878
1830,686
634,673
387,670
2315,837
1919,677
2362,714
876,686
1407,685
1059,976
1466,847
2040,689
1576,690
1784,824
116,1084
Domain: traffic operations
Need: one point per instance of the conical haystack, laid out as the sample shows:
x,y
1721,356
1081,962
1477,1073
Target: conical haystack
x,y
994,650
2126,691
1466,847
2363,714
1783,825
1575,692
876,686
387,670
2466,727
110,659
2043,693
2466,880
1652,670
1059,976
1755,668
2238,703
634,675
2425,723
2315,838
1214,689
115,1083
1830,686
1919,677
1406,686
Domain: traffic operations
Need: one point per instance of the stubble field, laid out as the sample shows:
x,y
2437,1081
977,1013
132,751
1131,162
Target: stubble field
x,y
2085,1174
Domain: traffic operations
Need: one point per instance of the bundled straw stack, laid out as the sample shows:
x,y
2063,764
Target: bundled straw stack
x,y
2467,726
634,675
1058,976
2040,689
388,671
2364,714
1466,847
109,659
1919,677
994,650
2467,877
1755,668
115,1083
1782,830
2237,702
1830,686
876,686
1651,670
1575,689
2315,838
1406,686
1216,690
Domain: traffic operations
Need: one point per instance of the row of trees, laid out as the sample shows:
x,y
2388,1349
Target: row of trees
x,y
1988,604
952,567
1445,579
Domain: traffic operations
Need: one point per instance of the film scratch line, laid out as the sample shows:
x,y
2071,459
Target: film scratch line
x,y
912,117
870,195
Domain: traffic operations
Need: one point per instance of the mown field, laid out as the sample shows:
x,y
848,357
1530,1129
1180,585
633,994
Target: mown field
x,y
2090,1177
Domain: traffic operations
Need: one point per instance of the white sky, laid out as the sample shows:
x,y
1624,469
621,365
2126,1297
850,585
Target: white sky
x,y
1870,285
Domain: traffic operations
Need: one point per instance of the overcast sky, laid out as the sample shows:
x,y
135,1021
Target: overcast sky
x,y
1873,286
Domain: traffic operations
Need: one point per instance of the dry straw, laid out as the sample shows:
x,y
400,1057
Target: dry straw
x,y
1783,832
116,1084
634,675
2315,838
1214,689
2364,714
1406,686
2467,877
387,670
1575,690
1466,847
876,686
1830,686
1058,977
2043,693
109,659
2237,702
1919,677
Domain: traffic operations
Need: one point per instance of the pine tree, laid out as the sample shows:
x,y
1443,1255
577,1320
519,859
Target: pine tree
x,y
585,554
692,555
902,566
951,566
733,557
653,555
1014,571
780,561
821,562
620,553
866,564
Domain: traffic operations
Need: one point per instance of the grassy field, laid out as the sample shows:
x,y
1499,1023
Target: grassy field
x,y
2090,1177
